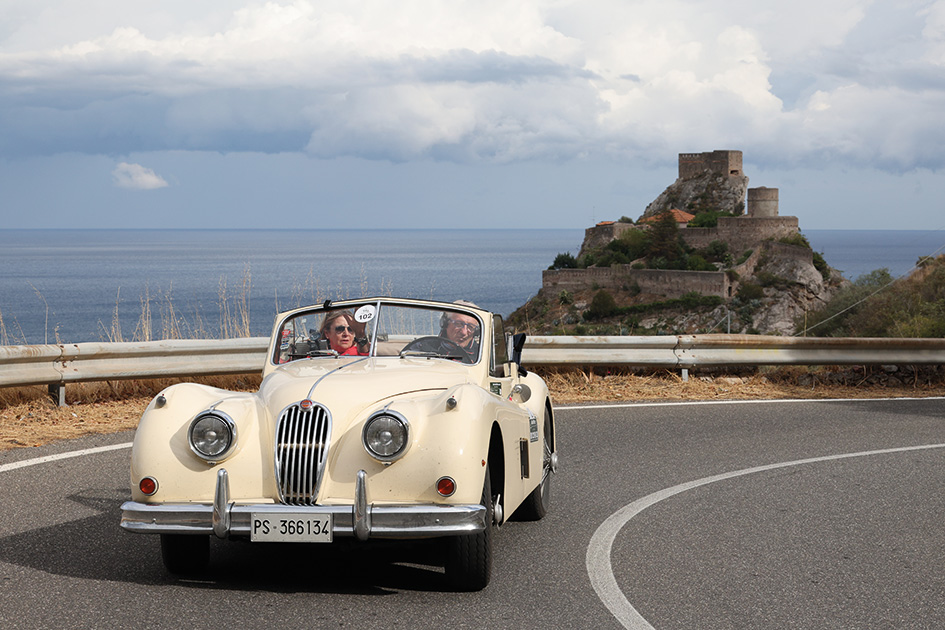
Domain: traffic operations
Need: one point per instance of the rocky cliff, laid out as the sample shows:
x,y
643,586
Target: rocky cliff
x,y
768,293
706,192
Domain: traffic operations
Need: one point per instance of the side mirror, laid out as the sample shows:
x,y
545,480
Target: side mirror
x,y
518,343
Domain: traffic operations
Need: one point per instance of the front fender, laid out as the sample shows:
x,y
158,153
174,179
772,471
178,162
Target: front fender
x,y
161,448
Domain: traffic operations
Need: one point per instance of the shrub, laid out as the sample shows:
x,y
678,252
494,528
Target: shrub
x,y
768,279
749,291
698,263
564,261
565,297
821,265
842,315
795,239
716,251
709,218
602,305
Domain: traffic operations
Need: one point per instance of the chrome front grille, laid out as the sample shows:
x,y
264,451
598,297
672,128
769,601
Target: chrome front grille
x,y
302,437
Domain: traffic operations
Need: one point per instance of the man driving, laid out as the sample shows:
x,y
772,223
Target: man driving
x,y
463,330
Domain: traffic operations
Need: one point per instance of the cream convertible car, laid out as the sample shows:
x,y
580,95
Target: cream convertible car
x,y
420,424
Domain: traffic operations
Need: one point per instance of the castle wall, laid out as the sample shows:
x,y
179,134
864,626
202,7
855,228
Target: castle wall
x,y
786,251
666,282
741,233
600,235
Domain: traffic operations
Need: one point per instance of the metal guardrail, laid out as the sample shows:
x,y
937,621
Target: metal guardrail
x,y
72,363
56,365
691,351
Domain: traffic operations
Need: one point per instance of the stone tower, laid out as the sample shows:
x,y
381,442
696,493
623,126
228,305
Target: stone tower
x,y
715,162
762,202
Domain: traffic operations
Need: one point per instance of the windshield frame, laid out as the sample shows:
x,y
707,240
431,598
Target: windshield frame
x,y
373,329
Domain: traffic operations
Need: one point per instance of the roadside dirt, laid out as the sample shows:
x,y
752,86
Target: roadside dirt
x,y
28,418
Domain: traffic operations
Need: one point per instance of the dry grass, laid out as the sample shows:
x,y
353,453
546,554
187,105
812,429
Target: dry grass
x,y
576,386
29,418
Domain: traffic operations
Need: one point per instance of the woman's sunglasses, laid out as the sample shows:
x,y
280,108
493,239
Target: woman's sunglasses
x,y
341,329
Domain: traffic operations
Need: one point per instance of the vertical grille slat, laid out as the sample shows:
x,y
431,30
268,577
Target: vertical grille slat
x,y
302,437
294,483
305,463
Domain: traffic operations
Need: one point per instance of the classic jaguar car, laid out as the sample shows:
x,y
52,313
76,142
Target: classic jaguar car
x,y
377,419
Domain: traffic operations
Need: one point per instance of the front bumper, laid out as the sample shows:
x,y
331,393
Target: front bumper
x,y
224,518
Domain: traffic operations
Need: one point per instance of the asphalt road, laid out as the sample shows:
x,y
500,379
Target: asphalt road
x,y
844,542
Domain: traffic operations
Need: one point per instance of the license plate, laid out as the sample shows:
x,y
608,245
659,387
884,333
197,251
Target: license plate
x,y
282,527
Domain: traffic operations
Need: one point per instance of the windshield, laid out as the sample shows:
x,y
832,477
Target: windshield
x,y
380,329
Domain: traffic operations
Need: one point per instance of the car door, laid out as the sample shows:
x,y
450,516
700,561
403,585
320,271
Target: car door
x,y
519,426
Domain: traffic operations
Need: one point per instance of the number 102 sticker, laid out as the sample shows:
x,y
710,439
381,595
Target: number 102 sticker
x,y
365,314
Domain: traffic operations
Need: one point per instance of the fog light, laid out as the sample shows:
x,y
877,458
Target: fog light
x,y
148,485
446,486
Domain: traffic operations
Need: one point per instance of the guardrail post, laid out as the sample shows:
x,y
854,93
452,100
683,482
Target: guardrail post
x,y
57,391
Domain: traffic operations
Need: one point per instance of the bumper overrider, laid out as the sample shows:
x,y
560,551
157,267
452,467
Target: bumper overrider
x,y
362,520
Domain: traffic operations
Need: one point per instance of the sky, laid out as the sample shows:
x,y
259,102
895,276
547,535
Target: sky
x,y
462,114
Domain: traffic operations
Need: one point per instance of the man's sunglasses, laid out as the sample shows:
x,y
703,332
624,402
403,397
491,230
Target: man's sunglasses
x,y
458,325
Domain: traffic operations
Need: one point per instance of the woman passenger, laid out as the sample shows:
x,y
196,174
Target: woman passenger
x,y
343,333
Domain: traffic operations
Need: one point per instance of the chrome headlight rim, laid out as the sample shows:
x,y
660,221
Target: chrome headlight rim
x,y
228,424
404,429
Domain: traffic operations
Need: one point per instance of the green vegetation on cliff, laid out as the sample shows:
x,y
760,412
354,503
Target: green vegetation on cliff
x,y
877,306
658,247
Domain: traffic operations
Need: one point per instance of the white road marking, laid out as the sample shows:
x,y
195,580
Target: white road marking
x,y
738,402
70,454
599,568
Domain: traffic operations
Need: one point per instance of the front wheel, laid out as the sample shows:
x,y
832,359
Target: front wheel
x,y
185,554
469,558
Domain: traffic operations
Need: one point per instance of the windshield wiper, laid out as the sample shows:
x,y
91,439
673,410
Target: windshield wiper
x,y
428,354
313,353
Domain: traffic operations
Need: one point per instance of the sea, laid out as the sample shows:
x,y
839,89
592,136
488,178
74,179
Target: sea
x,y
74,286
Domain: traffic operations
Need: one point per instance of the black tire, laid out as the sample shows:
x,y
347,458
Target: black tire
x,y
469,558
538,502
185,554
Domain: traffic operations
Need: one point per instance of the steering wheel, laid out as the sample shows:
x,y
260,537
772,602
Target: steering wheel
x,y
437,345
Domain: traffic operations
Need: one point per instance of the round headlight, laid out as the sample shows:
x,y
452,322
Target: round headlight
x,y
211,435
385,435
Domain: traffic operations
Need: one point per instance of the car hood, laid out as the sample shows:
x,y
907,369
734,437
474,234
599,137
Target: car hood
x,y
348,385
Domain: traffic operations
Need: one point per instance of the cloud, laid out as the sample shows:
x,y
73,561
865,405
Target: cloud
x,y
484,80
137,177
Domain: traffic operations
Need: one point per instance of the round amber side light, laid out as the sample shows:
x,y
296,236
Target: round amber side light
x,y
148,485
446,486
